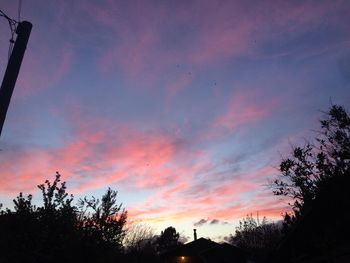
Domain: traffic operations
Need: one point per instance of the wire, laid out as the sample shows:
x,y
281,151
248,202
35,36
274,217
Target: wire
x,y
13,26
10,20
19,10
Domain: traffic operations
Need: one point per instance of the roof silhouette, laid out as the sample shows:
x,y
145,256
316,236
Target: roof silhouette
x,y
225,253
205,250
193,248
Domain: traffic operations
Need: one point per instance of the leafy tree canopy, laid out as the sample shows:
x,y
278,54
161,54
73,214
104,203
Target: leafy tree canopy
x,y
168,239
309,168
58,231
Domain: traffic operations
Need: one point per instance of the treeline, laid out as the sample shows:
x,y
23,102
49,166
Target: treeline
x,y
93,230
59,231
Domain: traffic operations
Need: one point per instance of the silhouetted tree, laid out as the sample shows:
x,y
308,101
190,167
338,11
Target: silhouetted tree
x,y
140,243
58,232
39,234
102,222
168,239
317,177
257,238
137,235
309,168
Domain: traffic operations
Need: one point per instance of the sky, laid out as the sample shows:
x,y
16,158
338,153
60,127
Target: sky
x,y
185,107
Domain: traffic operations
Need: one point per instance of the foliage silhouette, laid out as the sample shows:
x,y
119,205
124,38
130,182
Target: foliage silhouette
x,y
58,231
309,168
140,244
137,235
168,239
105,223
317,177
257,238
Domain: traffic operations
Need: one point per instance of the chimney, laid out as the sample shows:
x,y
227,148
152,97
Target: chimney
x,y
194,234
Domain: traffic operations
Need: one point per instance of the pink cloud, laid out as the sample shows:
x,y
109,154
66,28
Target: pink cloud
x,y
124,155
94,158
23,176
140,159
137,160
220,31
221,199
235,188
240,211
142,54
243,108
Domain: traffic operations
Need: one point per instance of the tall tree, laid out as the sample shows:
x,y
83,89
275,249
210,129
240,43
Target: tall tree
x,y
309,168
168,239
103,220
57,231
38,234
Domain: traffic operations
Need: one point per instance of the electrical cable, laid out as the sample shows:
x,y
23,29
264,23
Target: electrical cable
x,y
13,26
19,10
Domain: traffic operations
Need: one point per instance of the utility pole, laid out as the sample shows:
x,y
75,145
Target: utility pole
x,y
8,83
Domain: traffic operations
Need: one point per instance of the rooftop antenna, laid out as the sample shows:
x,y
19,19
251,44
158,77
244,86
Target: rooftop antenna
x,y
22,29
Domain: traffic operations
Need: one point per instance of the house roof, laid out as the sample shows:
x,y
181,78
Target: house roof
x,y
224,253
210,251
193,248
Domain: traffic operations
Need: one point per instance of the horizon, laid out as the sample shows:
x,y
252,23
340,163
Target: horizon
x,y
184,108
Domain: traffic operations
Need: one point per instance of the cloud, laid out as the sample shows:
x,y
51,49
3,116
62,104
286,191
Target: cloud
x,y
170,169
244,108
237,195
214,221
209,221
133,158
201,222
218,32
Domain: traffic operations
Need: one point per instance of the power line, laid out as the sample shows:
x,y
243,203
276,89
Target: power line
x,y
13,26
19,10
10,20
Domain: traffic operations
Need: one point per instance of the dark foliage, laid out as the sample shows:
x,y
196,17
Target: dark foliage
x,y
57,231
322,233
103,221
255,237
168,239
140,244
145,252
317,177
309,168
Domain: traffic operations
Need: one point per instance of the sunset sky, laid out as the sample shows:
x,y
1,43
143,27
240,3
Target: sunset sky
x,y
184,107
